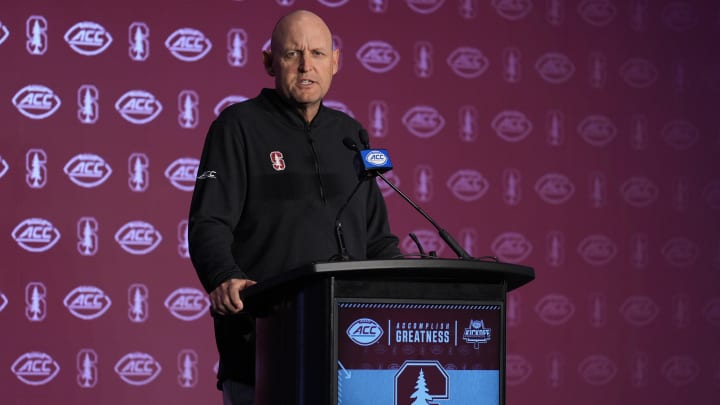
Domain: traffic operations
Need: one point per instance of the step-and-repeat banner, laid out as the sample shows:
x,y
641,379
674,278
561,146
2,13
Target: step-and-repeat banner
x,y
579,137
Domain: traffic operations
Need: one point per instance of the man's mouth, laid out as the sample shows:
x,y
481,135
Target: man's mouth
x,y
306,82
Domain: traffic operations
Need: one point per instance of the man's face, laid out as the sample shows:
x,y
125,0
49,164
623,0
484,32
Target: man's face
x,y
302,60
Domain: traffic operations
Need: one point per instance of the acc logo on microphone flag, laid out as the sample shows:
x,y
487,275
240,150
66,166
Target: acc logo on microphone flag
x,y
138,237
376,159
187,304
364,332
87,302
35,368
36,101
137,368
36,235
88,38
87,170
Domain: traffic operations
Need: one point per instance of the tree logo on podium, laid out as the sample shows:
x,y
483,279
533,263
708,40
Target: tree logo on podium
x,y
421,382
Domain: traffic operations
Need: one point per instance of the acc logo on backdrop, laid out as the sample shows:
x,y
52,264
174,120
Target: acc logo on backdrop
x,y
139,177
597,370
512,247
87,170
87,234
4,32
182,173
429,240
597,250
680,135
187,304
88,38
424,6
35,368
138,106
364,332
554,67
517,369
35,301
138,309
87,100
36,31
639,73
639,191
340,106
680,370
512,126
36,235
468,62
680,252
86,362
423,121
597,130
139,41
554,188
188,44
87,302
333,3
137,368
4,167
597,12
237,47
555,309
36,168
468,184
639,310
679,16
138,237
227,102
513,9
36,101
378,56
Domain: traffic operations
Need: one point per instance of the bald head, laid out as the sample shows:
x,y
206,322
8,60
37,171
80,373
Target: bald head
x,y
302,61
299,20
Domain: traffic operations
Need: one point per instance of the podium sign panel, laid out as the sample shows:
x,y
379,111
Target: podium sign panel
x,y
406,351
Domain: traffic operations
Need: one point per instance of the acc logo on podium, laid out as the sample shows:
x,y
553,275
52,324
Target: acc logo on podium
x,y
364,332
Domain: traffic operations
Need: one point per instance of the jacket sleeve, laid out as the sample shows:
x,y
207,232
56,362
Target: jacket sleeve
x,y
217,204
382,243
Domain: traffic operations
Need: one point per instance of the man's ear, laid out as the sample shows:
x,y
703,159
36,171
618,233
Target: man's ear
x,y
268,62
336,60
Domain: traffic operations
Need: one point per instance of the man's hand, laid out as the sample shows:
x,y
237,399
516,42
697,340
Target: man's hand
x,y
225,299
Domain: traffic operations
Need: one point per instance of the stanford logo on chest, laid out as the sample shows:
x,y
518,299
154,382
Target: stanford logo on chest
x,y
277,160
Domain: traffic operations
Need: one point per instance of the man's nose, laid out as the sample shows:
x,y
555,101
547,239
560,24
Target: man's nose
x,y
305,63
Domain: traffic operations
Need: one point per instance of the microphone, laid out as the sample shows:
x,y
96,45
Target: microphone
x,y
371,170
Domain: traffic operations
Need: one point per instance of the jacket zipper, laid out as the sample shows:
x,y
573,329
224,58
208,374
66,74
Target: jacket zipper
x,y
317,164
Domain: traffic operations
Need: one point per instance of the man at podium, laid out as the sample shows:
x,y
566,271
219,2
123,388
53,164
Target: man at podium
x,y
273,176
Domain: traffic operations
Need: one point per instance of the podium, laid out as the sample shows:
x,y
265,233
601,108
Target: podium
x,y
409,331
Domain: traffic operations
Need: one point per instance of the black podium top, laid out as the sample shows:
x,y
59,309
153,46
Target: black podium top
x,y
402,269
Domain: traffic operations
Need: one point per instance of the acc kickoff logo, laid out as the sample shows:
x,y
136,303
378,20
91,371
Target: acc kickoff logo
x,y
138,106
138,237
87,302
188,44
137,368
187,304
36,101
36,235
35,368
182,173
88,38
87,170
476,333
364,332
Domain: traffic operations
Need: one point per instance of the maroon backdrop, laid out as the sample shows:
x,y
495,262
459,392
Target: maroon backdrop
x,y
578,137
